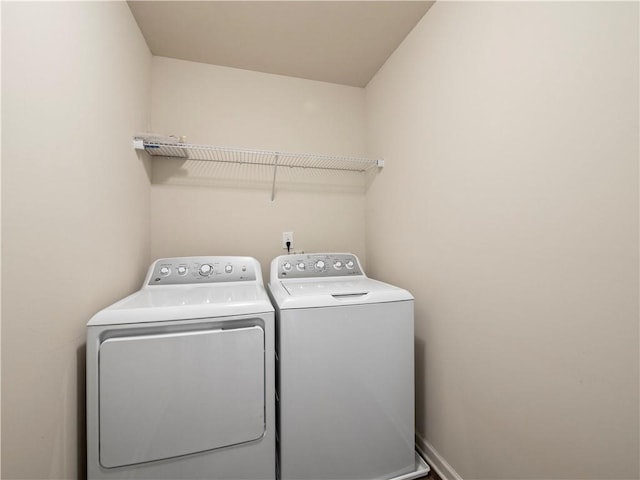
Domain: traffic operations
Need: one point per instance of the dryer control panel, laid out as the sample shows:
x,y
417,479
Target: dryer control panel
x,y
318,265
195,270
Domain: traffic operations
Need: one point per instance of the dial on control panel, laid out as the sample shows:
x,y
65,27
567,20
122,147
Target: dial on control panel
x,y
319,265
205,269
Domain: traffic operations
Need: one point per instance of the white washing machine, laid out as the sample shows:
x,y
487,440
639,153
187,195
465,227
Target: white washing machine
x,y
345,372
180,376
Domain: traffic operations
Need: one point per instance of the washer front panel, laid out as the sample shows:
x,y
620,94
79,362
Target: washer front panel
x,y
346,392
171,394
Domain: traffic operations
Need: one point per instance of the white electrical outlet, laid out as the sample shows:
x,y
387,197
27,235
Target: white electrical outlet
x,y
287,237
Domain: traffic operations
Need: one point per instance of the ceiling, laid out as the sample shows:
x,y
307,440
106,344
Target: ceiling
x,y
343,42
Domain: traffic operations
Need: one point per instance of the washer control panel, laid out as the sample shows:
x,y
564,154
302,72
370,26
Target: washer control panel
x,y
318,265
194,270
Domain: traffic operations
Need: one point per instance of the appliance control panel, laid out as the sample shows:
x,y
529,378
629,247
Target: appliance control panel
x,y
318,265
195,270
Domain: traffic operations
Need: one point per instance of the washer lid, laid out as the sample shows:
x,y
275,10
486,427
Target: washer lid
x,y
309,293
298,288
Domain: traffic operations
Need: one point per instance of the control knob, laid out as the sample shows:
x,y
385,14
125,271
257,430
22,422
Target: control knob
x,y
349,264
287,267
319,265
228,268
164,271
182,270
205,269
337,265
300,266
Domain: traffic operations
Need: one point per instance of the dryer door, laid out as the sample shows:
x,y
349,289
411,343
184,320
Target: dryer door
x,y
172,394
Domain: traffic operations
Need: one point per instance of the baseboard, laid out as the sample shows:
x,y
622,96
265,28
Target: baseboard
x,y
439,464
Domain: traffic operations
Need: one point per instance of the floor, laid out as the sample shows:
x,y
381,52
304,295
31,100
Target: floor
x,y
431,476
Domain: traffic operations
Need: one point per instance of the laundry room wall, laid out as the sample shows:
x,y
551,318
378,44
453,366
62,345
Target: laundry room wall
x,y
203,208
509,207
75,213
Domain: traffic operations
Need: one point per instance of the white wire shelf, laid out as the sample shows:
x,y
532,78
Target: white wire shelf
x,y
269,158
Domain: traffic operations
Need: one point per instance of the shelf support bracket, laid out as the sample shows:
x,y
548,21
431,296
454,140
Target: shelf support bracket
x,y
275,170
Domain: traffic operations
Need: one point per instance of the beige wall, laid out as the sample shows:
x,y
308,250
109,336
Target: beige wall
x,y
509,207
201,208
75,213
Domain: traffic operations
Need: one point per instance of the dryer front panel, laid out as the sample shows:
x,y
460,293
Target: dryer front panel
x,y
170,394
